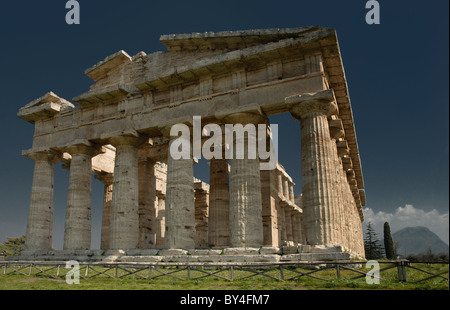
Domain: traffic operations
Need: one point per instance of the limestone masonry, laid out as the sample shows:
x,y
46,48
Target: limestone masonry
x,y
154,209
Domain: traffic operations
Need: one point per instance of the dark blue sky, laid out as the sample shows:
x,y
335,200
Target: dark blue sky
x,y
397,74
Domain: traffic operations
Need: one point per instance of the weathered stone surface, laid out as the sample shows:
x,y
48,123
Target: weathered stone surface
x,y
199,252
40,217
169,252
289,249
241,251
270,250
228,78
124,227
219,201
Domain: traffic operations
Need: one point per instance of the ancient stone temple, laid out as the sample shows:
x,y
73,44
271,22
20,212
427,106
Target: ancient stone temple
x,y
154,207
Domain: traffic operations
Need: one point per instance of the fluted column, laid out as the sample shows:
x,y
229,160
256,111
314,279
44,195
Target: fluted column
x,y
124,233
180,205
269,195
291,192
219,204
107,180
201,214
40,217
288,221
246,228
318,167
296,226
77,233
148,203
161,221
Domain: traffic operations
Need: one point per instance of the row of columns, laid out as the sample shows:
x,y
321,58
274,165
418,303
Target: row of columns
x,y
326,199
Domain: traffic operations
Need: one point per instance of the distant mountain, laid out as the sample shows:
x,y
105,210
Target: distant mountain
x,y
417,240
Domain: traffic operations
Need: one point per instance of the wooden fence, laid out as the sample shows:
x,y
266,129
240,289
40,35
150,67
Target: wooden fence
x,y
280,271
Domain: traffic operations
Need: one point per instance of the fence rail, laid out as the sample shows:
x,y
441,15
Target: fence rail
x,y
280,271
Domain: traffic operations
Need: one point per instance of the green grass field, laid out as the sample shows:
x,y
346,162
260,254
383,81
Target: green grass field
x,y
98,281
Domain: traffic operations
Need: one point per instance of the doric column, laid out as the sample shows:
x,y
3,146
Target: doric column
x,y
148,203
201,214
179,204
77,233
246,228
40,217
286,189
280,208
269,195
124,233
219,203
107,180
161,221
296,226
291,192
318,167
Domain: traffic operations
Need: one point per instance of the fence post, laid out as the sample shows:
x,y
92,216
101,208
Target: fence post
x,y
404,272
281,273
338,271
401,271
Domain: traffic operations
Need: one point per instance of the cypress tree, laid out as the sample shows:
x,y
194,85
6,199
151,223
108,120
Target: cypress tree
x,y
388,243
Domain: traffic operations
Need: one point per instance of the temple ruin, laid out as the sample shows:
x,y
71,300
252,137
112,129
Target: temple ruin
x,y
153,206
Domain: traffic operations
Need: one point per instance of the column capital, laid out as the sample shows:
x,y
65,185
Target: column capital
x,y
249,114
49,155
165,129
105,177
82,146
322,102
125,137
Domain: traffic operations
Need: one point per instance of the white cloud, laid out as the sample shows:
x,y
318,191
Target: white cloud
x,y
409,216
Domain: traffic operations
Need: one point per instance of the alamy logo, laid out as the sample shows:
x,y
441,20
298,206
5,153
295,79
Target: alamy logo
x,y
373,275
73,276
238,142
73,16
373,16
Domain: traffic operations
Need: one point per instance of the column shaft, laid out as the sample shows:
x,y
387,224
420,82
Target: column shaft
x,y
148,204
246,227
319,175
318,180
40,217
124,232
245,203
219,204
77,234
107,180
180,206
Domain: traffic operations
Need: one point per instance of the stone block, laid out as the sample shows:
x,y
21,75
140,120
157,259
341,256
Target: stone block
x,y
304,248
324,256
140,259
326,249
241,251
179,258
205,252
137,252
114,252
289,250
291,257
169,252
270,250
